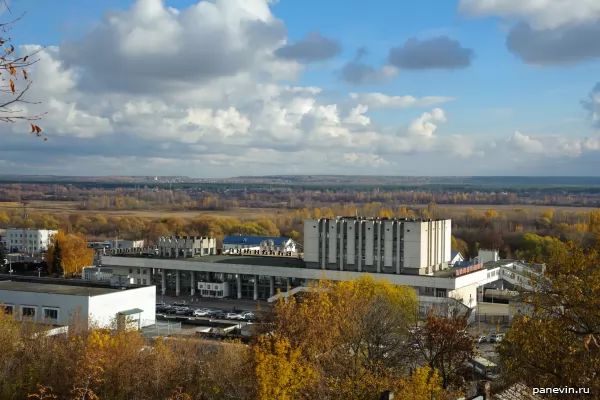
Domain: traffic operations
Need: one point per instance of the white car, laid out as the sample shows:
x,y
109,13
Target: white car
x,y
231,316
481,339
200,313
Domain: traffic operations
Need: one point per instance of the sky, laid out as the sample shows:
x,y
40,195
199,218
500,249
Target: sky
x,y
224,88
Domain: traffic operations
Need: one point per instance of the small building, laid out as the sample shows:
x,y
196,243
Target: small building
x,y
126,244
186,246
32,240
455,258
217,290
232,243
56,301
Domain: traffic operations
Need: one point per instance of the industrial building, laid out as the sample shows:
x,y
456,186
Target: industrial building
x,y
394,246
234,243
56,302
28,240
186,246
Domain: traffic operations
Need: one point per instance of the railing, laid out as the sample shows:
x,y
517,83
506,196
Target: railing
x,y
160,328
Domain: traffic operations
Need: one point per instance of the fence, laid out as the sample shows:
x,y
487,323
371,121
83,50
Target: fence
x,y
160,328
492,319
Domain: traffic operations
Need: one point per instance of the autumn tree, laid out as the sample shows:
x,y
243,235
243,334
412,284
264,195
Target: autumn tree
x,y
535,248
280,371
74,253
349,332
446,346
16,82
57,266
555,339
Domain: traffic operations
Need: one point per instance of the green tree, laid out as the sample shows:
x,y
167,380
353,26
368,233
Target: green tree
x,y
3,268
535,248
57,266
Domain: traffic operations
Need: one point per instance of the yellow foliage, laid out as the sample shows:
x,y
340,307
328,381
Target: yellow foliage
x,y
74,251
280,370
424,384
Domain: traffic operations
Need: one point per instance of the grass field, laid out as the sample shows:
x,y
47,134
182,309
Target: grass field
x,y
71,207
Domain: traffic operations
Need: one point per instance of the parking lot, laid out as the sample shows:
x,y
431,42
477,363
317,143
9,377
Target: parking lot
x,y
188,312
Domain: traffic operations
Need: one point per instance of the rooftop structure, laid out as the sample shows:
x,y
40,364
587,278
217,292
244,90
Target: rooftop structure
x,y
186,246
232,243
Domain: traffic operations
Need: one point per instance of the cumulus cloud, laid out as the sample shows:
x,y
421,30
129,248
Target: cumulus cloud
x,y
382,101
592,105
314,47
436,53
546,145
117,104
542,14
547,31
357,72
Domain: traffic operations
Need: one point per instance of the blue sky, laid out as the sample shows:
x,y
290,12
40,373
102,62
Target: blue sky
x,y
515,103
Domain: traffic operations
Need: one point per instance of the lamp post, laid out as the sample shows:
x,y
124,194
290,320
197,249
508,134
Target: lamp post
x,y
39,269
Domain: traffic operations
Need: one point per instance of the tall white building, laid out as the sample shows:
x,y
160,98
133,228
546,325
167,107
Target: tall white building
x,y
382,245
37,240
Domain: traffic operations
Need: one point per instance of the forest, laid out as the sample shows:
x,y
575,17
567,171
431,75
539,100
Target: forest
x,y
514,232
232,196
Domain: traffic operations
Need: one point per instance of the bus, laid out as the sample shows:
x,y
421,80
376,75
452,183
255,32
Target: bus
x,y
484,367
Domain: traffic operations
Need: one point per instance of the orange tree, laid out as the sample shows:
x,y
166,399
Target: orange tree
x,y
74,253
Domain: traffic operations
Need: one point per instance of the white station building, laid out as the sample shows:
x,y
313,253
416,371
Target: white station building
x,y
404,252
56,302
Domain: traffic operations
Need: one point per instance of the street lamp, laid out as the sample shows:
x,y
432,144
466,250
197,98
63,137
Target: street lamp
x,y
39,269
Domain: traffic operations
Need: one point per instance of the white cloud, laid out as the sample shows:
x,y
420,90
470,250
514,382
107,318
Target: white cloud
x,y
541,14
382,101
213,103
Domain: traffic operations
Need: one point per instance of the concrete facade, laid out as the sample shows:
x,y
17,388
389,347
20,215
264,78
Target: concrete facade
x,y
235,243
400,246
57,304
186,246
37,240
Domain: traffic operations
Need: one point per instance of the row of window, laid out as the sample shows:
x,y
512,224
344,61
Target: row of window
x,y
140,271
49,314
212,293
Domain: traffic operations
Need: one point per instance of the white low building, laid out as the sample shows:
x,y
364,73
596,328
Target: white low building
x,y
45,301
233,243
28,240
186,246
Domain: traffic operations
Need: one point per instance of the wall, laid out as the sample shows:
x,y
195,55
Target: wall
x,y
468,294
66,304
311,240
103,309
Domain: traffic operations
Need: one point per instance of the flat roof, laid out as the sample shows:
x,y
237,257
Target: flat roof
x,y
242,259
38,287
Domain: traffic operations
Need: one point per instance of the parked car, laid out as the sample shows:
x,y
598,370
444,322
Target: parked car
x,y
162,309
171,310
183,311
248,316
160,304
200,313
481,339
180,303
219,314
232,316
496,337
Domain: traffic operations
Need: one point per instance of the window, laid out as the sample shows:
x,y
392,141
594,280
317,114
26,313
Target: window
x,y
130,270
139,281
27,311
50,313
143,281
144,271
7,308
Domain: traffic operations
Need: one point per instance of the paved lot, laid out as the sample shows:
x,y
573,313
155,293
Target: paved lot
x,y
226,304
493,308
